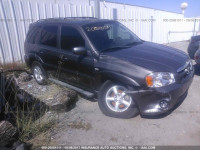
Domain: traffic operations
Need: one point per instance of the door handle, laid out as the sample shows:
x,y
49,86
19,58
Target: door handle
x,y
63,57
41,52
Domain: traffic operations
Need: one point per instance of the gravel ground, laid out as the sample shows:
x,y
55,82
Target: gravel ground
x,y
86,125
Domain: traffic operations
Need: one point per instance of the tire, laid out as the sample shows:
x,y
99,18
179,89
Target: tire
x,y
116,108
39,73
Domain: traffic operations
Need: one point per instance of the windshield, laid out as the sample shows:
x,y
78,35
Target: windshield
x,y
110,35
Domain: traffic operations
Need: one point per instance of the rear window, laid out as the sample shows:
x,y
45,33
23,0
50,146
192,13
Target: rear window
x,y
49,36
33,36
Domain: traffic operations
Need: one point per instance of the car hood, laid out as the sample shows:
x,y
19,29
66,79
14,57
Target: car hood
x,y
154,57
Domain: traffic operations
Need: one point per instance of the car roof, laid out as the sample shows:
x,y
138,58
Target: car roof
x,y
70,20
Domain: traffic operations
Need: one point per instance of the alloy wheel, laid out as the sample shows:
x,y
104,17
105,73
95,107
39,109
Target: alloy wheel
x,y
38,74
117,99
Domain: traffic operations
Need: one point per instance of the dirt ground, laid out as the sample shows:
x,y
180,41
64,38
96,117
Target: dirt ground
x,y
86,125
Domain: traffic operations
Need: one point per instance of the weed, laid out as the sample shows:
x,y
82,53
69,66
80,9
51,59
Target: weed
x,y
25,111
12,66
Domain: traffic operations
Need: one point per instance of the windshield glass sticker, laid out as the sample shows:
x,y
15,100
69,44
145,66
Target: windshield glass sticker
x,y
102,28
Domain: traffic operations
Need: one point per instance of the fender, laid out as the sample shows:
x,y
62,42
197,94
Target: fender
x,y
37,58
106,75
33,57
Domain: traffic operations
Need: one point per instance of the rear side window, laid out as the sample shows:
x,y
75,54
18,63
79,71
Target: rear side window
x,y
71,38
49,36
33,36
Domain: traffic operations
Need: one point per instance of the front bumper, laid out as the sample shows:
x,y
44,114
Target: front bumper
x,y
149,101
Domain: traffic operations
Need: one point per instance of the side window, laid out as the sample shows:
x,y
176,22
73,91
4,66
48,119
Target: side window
x,y
70,38
115,32
34,35
123,34
49,36
110,32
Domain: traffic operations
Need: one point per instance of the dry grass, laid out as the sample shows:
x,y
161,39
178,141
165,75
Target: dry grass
x,y
26,114
13,66
27,118
27,125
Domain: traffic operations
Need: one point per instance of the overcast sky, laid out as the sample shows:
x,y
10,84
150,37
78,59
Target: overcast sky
x,y
193,9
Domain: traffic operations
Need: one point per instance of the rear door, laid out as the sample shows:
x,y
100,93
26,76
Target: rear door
x,y
76,69
48,48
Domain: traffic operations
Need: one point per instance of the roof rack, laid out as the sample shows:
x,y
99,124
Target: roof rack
x,y
80,18
65,18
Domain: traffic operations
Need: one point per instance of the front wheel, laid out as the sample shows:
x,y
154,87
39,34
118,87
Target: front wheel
x,y
115,102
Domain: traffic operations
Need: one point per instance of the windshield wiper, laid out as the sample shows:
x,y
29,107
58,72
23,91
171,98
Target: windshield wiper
x,y
115,47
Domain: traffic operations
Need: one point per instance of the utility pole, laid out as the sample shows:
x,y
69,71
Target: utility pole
x,y
194,27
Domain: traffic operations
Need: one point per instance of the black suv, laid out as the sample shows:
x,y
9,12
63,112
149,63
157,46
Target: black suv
x,y
103,57
193,46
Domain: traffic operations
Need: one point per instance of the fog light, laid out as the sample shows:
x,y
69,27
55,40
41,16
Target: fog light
x,y
164,104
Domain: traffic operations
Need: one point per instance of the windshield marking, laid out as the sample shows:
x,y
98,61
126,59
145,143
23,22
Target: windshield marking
x,y
89,29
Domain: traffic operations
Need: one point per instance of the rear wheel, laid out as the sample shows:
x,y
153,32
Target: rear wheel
x,y
39,73
115,102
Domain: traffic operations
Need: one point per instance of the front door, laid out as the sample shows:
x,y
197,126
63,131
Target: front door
x,y
76,69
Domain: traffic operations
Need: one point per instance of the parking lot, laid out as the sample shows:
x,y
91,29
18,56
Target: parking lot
x,y
86,125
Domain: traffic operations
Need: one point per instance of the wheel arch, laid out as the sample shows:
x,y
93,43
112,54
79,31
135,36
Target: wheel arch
x,y
129,112
114,77
32,58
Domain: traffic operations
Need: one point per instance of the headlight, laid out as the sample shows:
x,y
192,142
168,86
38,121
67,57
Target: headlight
x,y
159,79
191,65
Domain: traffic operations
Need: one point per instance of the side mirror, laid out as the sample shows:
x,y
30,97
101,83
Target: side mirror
x,y
79,50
